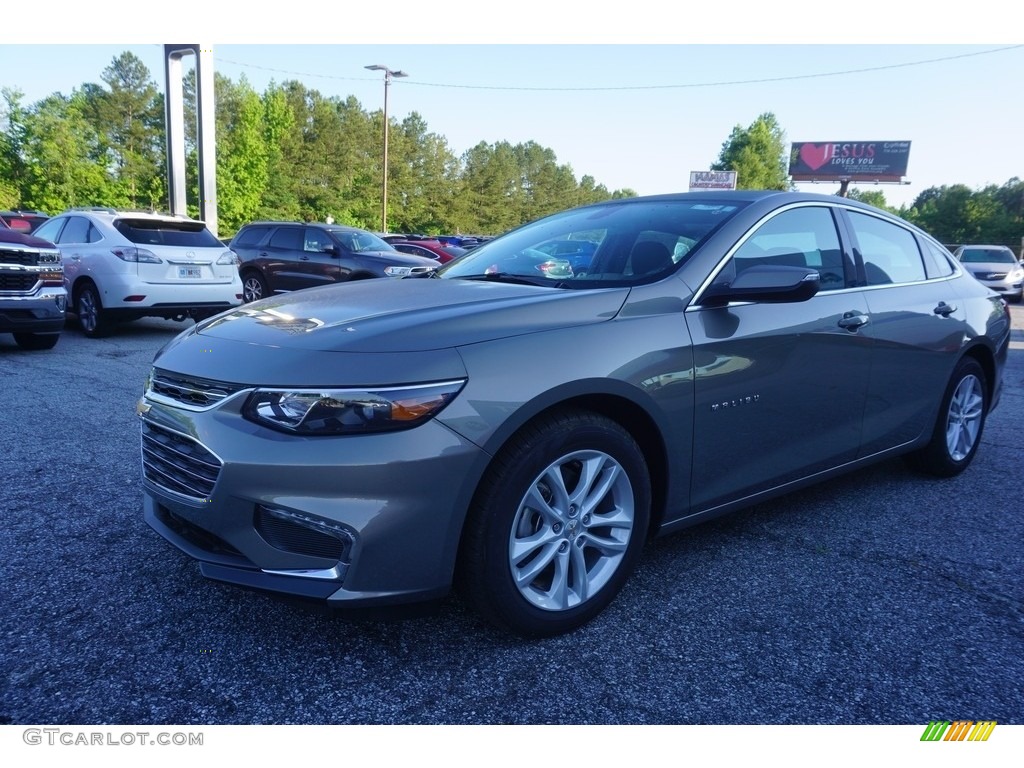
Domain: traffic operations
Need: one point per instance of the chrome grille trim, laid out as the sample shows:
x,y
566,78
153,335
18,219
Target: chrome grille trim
x,y
178,463
187,392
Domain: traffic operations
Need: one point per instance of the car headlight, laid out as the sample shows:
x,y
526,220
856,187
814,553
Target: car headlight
x,y
1016,274
397,271
348,411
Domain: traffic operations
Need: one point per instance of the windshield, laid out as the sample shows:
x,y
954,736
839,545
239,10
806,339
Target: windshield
x,y
614,243
356,241
987,256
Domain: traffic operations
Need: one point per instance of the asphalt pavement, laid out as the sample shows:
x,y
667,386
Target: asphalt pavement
x,y
877,598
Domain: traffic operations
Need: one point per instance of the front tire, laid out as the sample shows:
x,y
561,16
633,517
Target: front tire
x,y
557,525
36,341
959,425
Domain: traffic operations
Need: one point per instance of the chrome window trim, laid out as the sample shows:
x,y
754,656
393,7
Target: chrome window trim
x,y
695,302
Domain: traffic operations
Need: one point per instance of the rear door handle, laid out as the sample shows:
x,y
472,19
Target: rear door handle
x,y
853,321
944,309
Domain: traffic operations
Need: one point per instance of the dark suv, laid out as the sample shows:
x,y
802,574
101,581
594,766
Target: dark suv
x,y
287,256
32,296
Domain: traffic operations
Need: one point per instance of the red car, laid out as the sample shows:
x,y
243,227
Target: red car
x,y
23,221
432,249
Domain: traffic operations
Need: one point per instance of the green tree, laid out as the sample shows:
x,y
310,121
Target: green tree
x,y
758,154
127,117
279,199
491,188
422,178
873,197
58,147
241,154
12,136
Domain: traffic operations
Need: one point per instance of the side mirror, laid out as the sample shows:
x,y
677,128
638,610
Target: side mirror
x,y
767,283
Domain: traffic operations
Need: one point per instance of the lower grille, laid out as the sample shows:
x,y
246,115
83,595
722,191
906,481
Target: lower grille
x,y
177,463
18,281
302,535
195,535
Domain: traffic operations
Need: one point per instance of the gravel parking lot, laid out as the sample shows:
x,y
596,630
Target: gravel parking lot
x,y
879,597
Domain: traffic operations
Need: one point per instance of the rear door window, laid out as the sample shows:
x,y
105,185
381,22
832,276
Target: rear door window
x,y
287,238
889,252
250,237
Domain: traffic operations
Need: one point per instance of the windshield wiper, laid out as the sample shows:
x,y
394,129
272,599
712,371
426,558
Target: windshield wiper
x,y
510,277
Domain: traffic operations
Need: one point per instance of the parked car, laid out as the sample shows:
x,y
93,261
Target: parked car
x,y
32,296
995,266
577,252
23,221
123,265
522,436
280,256
430,249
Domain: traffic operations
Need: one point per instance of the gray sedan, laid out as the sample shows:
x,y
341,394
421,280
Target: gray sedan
x,y
520,432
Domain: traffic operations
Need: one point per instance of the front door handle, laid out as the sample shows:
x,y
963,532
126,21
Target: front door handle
x,y
853,321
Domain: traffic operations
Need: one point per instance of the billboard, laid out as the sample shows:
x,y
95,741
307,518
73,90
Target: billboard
x,y
712,179
855,160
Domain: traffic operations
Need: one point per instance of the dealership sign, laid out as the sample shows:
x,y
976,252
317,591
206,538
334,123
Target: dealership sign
x,y
842,160
712,179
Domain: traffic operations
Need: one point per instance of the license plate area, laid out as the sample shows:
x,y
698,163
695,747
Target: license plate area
x,y
190,273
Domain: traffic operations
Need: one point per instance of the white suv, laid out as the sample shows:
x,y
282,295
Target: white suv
x,y
121,265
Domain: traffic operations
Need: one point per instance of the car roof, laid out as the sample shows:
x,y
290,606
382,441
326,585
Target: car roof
x,y
110,214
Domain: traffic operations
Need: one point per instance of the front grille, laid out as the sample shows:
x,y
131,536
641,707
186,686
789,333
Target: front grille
x,y
302,534
24,258
178,463
18,281
188,391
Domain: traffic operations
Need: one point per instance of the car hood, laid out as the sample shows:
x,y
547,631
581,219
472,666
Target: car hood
x,y
414,315
991,266
13,237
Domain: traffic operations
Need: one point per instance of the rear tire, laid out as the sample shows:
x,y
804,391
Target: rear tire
x,y
91,315
959,425
557,524
254,287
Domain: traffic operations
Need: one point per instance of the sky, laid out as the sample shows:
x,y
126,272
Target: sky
x,y
637,100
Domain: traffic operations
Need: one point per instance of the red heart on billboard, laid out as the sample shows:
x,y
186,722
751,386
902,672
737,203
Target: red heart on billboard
x,y
814,156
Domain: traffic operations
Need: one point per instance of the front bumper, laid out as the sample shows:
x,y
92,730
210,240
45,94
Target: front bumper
x,y
42,312
362,520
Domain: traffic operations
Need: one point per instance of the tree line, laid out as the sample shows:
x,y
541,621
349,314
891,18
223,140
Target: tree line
x,y
291,153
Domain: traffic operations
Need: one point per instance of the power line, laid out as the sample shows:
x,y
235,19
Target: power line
x,y
713,84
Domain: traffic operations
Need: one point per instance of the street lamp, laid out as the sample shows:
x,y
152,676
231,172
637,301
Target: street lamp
x,y
388,74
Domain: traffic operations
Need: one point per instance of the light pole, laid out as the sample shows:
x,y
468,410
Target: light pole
x,y
388,74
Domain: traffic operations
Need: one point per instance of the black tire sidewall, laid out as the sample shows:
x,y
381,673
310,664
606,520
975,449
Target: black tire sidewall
x,y
935,458
518,466
100,321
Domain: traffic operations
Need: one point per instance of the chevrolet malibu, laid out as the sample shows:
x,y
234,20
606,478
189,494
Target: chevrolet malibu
x,y
520,433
